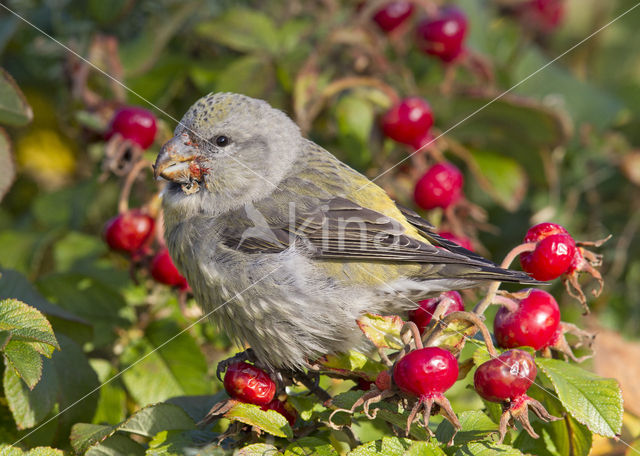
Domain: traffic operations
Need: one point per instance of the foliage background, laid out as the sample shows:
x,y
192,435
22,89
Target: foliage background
x,y
561,147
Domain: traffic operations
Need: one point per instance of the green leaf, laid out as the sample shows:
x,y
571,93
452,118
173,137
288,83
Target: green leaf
x,y
178,443
475,426
161,370
388,446
26,361
197,407
14,109
352,362
382,331
268,421
565,437
89,298
146,422
500,176
30,406
27,324
424,449
310,445
7,165
8,450
487,449
389,413
244,30
593,401
258,449
116,445
84,435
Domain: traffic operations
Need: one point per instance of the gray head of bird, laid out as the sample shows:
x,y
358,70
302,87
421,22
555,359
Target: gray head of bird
x,y
228,150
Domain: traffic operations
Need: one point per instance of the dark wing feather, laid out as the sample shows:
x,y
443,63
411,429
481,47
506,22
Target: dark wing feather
x,y
338,228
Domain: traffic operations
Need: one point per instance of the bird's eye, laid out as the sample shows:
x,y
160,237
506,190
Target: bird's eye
x,y
223,141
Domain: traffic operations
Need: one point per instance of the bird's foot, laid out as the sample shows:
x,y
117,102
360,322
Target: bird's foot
x,y
247,355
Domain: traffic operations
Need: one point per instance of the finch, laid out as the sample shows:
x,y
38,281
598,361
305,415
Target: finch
x,y
286,246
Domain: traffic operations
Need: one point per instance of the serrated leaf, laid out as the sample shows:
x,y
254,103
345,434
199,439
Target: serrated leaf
x,y
243,30
30,407
592,400
500,176
387,446
7,165
258,449
382,331
27,324
310,445
84,435
5,337
14,109
475,426
26,361
452,337
389,413
268,421
487,449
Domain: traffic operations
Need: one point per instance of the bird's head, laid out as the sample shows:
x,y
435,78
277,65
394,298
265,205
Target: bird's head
x,y
227,150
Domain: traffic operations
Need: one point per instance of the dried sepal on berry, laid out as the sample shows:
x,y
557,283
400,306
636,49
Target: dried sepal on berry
x,y
518,410
560,344
584,261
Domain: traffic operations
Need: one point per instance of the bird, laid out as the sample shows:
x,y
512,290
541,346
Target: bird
x,y
284,245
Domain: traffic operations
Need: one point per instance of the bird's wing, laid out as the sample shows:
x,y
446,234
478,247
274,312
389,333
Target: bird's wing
x,y
363,226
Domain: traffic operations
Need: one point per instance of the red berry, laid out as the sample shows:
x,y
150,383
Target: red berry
x,y
443,35
392,15
542,230
426,372
164,271
506,377
128,232
135,124
408,121
544,15
283,409
552,256
422,141
460,240
248,383
441,186
533,324
423,314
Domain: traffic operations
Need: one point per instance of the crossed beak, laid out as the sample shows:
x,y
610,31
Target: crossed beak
x,y
174,162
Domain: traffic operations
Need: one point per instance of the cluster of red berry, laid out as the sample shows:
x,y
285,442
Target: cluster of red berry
x,y
132,231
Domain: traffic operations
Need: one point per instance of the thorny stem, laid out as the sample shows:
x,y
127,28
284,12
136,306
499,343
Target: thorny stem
x,y
472,318
123,201
481,307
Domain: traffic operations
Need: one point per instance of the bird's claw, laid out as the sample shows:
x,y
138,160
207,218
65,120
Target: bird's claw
x,y
247,355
